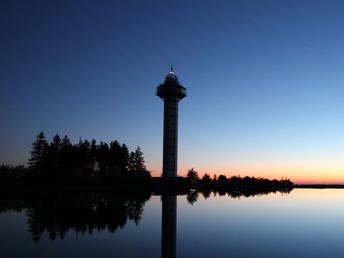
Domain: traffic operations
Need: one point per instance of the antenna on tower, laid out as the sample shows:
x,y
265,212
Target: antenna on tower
x,y
171,70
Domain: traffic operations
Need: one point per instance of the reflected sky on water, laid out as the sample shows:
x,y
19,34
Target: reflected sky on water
x,y
303,223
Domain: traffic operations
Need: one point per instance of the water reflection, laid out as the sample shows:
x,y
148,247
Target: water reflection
x,y
169,226
193,196
56,213
169,213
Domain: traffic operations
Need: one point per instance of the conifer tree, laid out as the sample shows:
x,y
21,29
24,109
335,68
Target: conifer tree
x,y
136,161
192,175
39,153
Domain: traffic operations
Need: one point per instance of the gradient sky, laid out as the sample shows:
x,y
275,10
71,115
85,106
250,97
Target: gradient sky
x,y
265,81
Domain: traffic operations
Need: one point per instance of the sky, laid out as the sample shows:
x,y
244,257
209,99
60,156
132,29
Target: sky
x,y
265,81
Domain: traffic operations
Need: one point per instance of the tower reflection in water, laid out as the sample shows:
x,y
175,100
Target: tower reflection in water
x,y
169,226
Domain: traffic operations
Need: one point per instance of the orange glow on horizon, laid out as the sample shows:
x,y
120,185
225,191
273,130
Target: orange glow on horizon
x,y
297,174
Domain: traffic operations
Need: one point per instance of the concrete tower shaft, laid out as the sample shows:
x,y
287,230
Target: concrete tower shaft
x,y
171,92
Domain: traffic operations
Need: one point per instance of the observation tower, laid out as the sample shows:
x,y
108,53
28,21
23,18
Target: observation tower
x,y
171,92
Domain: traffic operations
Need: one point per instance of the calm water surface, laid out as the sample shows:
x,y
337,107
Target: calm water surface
x,y
303,223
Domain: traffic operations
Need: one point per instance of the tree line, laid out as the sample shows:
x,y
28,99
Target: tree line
x,y
60,161
246,185
234,186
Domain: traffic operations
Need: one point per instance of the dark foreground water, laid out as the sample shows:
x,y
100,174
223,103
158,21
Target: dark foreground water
x,y
303,223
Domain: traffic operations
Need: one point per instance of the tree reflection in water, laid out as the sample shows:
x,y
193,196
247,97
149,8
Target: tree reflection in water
x,y
56,213
193,195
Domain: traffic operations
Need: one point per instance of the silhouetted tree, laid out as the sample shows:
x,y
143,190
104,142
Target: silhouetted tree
x,y
54,159
136,161
39,154
103,160
67,159
93,159
123,159
118,158
206,180
192,175
214,180
83,160
222,180
60,161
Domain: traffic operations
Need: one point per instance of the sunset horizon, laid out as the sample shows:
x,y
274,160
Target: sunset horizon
x,y
172,129
264,82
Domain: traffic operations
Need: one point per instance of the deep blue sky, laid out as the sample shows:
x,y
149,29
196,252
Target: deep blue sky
x,y
265,81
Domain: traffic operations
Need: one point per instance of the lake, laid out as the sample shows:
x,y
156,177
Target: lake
x,y
301,223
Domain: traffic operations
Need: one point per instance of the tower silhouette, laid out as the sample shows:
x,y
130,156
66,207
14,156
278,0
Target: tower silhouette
x,y
171,92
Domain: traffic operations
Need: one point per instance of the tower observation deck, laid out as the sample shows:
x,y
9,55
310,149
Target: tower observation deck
x,y
171,92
